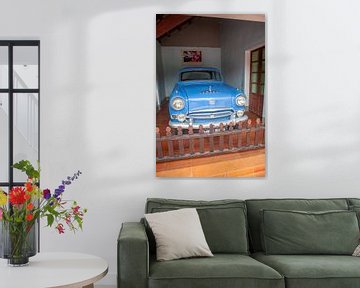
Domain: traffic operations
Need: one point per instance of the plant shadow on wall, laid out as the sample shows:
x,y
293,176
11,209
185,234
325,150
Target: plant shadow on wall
x,y
23,206
210,96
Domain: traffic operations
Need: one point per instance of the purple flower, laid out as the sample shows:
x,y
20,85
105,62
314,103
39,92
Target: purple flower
x,y
64,183
58,192
46,194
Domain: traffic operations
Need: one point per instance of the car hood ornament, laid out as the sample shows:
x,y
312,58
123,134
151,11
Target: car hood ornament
x,y
209,90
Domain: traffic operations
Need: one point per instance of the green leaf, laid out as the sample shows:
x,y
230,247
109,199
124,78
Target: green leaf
x,y
22,164
79,221
53,211
28,168
50,219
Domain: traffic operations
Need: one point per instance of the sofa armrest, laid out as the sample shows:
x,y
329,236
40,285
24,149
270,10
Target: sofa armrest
x,y
133,256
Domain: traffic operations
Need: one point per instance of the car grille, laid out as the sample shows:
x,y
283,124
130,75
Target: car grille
x,y
213,102
211,114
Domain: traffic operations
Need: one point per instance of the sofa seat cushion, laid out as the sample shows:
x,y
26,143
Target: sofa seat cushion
x,y
222,270
313,271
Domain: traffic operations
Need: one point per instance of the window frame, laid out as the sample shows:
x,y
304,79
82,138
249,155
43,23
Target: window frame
x,y
10,91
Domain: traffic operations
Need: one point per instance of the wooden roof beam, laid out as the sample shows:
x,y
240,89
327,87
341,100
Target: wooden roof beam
x,y
169,23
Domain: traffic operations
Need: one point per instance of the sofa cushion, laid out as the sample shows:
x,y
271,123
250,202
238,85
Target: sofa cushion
x,y
313,271
353,201
178,234
297,232
356,209
223,221
254,216
354,205
222,270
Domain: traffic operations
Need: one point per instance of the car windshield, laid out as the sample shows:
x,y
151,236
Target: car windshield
x,y
200,75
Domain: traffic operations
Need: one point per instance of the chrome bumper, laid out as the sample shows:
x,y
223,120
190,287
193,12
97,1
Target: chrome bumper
x,y
186,124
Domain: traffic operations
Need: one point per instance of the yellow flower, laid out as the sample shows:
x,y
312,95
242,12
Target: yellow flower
x,y
3,198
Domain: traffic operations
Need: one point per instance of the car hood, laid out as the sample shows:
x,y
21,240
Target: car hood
x,y
208,95
206,89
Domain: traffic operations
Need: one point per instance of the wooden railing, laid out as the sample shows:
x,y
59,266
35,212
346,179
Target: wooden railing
x,y
180,143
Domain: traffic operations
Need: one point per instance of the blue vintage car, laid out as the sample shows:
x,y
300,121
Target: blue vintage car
x,y
200,97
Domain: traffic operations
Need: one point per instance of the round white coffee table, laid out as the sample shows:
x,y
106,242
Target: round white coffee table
x,y
45,270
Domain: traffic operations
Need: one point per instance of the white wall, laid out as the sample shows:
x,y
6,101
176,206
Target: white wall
x,y
98,114
237,37
172,62
159,74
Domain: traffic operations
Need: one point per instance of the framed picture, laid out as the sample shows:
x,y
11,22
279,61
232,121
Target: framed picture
x,y
192,56
210,119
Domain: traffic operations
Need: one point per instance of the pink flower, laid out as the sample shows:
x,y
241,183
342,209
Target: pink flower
x,y
75,210
60,228
68,219
1,212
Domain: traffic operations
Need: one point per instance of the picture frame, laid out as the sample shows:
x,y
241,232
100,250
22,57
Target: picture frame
x,y
210,118
192,57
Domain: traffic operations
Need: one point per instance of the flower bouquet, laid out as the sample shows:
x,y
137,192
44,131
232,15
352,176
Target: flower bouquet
x,y
21,208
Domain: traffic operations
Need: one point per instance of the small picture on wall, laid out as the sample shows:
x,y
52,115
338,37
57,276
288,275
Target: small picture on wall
x,y
192,56
211,85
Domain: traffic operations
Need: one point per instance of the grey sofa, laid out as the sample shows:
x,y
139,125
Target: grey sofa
x,y
233,231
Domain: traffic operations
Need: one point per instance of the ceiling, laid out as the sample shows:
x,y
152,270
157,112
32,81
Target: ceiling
x,y
169,23
166,23
245,17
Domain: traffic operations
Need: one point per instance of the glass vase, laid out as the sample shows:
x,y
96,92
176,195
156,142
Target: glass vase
x,y
18,242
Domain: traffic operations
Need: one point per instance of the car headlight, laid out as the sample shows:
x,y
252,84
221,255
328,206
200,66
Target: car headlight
x,y
240,101
240,113
177,103
181,117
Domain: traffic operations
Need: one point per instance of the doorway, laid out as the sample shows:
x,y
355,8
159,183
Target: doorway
x,y
257,81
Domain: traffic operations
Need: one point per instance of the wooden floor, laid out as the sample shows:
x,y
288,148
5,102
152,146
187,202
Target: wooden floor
x,y
239,164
